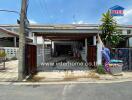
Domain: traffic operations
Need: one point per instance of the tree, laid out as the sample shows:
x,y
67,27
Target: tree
x,y
110,35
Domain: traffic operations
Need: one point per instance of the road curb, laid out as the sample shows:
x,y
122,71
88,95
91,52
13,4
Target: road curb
x,y
66,82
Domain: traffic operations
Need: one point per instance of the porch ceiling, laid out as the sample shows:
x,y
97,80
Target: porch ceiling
x,y
66,31
69,33
64,36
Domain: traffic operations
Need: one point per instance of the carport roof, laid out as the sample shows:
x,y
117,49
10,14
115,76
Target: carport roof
x,y
65,32
65,29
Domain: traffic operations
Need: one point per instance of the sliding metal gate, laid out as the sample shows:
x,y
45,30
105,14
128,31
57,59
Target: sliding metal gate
x,y
31,59
124,54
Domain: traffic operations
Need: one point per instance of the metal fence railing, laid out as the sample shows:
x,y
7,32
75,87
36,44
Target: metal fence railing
x,y
11,52
124,54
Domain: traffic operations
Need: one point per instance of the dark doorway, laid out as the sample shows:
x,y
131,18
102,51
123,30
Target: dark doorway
x,y
63,49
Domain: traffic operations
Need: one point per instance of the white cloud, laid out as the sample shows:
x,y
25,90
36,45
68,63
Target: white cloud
x,y
31,21
126,19
80,22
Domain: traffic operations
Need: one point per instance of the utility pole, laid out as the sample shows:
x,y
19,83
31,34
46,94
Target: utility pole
x,y
22,41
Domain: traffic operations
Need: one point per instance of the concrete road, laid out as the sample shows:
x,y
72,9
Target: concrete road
x,y
109,91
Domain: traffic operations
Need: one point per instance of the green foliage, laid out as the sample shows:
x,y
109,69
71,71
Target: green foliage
x,y
2,54
110,35
100,69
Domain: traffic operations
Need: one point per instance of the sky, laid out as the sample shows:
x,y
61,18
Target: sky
x,y
65,11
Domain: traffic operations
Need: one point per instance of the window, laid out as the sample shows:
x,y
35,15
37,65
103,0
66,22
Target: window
x,y
120,31
128,31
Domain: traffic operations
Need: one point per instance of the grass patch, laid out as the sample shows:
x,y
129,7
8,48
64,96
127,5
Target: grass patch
x,y
100,69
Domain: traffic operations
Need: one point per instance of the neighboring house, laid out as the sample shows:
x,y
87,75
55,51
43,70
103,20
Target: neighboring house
x,y
10,38
71,39
9,41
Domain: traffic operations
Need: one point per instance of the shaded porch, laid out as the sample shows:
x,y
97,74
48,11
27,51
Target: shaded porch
x,y
65,48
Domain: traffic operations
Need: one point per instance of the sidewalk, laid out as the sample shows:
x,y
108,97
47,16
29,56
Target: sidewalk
x,y
10,73
79,76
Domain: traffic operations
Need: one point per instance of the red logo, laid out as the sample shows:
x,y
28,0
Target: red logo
x,y
117,12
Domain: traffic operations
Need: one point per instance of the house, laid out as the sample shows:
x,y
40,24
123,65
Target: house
x,y
9,41
68,40
65,39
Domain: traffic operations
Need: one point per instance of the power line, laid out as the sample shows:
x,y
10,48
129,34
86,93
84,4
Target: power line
x,y
27,5
42,7
46,7
11,11
74,18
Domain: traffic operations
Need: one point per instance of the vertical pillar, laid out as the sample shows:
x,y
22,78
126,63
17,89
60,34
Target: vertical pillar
x,y
86,49
43,50
99,53
53,47
15,41
34,39
94,40
130,42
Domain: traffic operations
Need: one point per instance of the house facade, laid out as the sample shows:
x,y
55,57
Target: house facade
x,y
78,41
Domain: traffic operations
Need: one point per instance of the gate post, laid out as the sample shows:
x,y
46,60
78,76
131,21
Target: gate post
x,y
130,59
43,51
99,53
86,49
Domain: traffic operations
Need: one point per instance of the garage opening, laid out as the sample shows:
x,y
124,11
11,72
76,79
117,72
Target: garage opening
x,y
67,49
